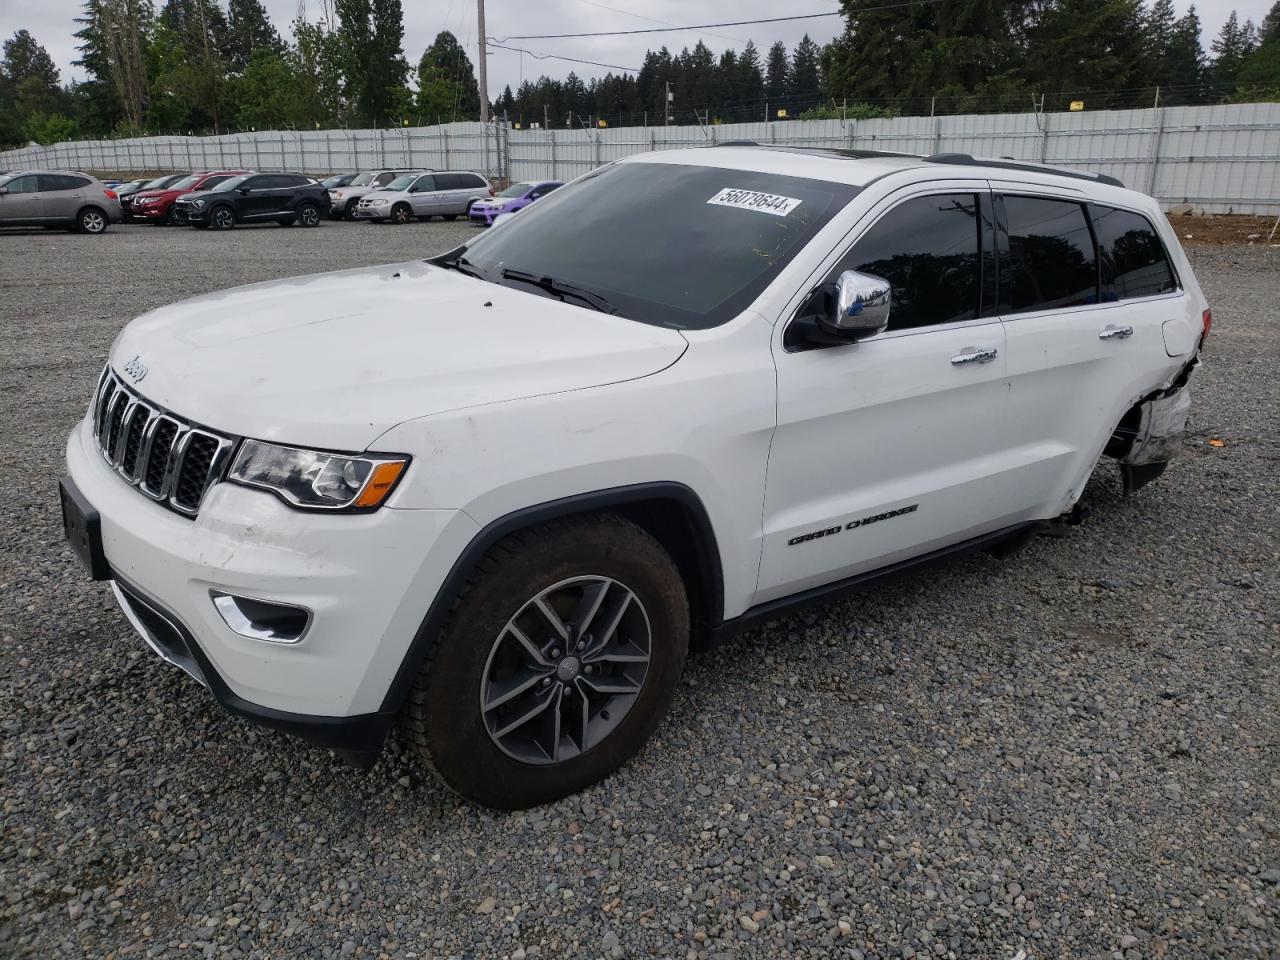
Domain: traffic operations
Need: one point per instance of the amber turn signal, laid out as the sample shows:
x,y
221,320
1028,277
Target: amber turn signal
x,y
381,481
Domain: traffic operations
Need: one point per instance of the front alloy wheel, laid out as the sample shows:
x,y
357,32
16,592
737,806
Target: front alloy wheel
x,y
401,214
222,218
559,658
565,670
309,215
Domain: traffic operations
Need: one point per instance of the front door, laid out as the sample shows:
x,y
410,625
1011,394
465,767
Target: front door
x,y
891,446
24,202
421,199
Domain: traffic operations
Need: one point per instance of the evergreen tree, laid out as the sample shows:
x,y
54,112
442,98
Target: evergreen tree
x,y
806,81
315,61
31,100
1270,29
447,87
374,67
188,64
1185,61
249,30
1234,45
750,85
777,78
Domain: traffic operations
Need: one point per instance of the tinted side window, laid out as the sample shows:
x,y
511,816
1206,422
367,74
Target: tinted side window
x,y
424,183
1050,260
255,183
60,181
928,250
27,184
212,182
451,181
382,179
1134,263
548,187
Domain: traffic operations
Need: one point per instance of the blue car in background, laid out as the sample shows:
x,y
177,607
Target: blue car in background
x,y
515,197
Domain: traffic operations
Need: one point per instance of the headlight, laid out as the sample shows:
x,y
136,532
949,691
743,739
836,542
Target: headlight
x,y
378,203
317,480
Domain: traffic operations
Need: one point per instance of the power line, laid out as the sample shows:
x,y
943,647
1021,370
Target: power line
x,y
727,23
494,44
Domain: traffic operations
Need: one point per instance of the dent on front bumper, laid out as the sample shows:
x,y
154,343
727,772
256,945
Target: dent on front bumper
x,y
368,579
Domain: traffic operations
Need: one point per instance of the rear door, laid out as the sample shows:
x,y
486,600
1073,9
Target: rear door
x,y
62,195
892,446
1084,332
23,202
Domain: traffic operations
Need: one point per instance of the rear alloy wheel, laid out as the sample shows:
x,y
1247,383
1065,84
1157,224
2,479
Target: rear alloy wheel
x,y
222,218
91,220
309,215
401,214
560,658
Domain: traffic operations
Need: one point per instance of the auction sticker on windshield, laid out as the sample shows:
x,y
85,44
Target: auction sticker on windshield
x,y
754,200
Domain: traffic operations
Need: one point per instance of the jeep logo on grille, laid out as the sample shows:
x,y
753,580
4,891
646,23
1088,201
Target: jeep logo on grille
x,y
135,369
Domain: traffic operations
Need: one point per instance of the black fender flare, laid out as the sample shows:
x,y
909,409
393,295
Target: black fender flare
x,y
706,548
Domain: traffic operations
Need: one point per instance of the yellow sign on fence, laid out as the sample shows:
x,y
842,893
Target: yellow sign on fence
x,y
1077,105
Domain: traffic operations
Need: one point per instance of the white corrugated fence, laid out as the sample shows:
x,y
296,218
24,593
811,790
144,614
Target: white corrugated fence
x,y
1224,158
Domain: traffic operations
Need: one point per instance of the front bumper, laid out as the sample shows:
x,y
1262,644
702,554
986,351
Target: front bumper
x,y
154,211
371,213
483,215
368,580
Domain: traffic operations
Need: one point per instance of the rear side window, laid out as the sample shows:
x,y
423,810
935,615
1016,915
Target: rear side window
x,y
452,181
59,181
1050,260
928,250
1134,262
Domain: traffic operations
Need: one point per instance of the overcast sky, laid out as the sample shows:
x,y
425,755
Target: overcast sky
x,y
51,22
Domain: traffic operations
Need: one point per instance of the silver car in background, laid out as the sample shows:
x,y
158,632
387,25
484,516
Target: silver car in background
x,y
343,200
57,198
444,193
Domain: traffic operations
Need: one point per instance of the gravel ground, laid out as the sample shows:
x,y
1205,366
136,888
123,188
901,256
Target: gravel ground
x,y
1073,752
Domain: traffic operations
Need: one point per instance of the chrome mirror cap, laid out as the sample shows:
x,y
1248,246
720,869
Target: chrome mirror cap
x,y
862,305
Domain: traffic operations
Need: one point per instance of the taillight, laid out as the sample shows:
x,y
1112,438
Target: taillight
x,y
1207,318
111,194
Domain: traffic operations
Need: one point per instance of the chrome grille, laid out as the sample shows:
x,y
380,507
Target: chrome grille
x,y
166,457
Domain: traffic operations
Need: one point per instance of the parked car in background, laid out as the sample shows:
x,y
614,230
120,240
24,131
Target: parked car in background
x,y
425,195
337,180
57,198
158,183
158,206
286,198
128,187
343,200
515,197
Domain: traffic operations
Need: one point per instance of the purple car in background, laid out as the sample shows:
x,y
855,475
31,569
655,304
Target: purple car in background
x,y
515,197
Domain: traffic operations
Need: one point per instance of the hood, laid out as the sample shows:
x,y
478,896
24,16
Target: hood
x,y
334,360
143,194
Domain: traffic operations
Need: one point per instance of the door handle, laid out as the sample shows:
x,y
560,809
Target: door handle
x,y
1112,332
975,355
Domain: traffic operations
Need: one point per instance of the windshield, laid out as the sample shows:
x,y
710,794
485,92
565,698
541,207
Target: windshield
x,y
157,183
362,181
186,183
401,183
670,244
337,181
516,190
230,184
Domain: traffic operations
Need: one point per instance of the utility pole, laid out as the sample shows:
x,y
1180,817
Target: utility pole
x,y
666,106
546,117
484,78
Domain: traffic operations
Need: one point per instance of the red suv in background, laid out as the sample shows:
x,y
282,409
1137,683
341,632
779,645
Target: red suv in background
x,y
156,206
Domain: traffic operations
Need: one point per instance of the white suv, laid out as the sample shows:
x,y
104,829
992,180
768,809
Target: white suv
x,y
497,495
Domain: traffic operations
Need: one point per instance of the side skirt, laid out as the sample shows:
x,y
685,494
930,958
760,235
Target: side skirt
x,y
784,606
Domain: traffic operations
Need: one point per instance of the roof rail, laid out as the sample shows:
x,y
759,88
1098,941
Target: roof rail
x,y
967,160
840,152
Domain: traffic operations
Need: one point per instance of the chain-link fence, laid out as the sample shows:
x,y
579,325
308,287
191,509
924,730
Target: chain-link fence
x,y
1224,158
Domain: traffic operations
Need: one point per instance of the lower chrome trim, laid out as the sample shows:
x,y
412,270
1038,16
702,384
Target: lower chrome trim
x,y
127,606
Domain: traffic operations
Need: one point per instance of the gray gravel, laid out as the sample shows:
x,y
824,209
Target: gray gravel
x,y
1073,752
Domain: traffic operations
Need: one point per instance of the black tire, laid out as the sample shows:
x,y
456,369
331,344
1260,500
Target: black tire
x,y
91,220
222,217
443,719
449,216
349,211
168,219
401,214
308,214
286,221
201,226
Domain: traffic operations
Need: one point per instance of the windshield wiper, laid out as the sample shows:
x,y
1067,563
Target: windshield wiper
x,y
462,265
562,289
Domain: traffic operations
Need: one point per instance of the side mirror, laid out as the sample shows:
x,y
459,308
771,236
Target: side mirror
x,y
860,307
